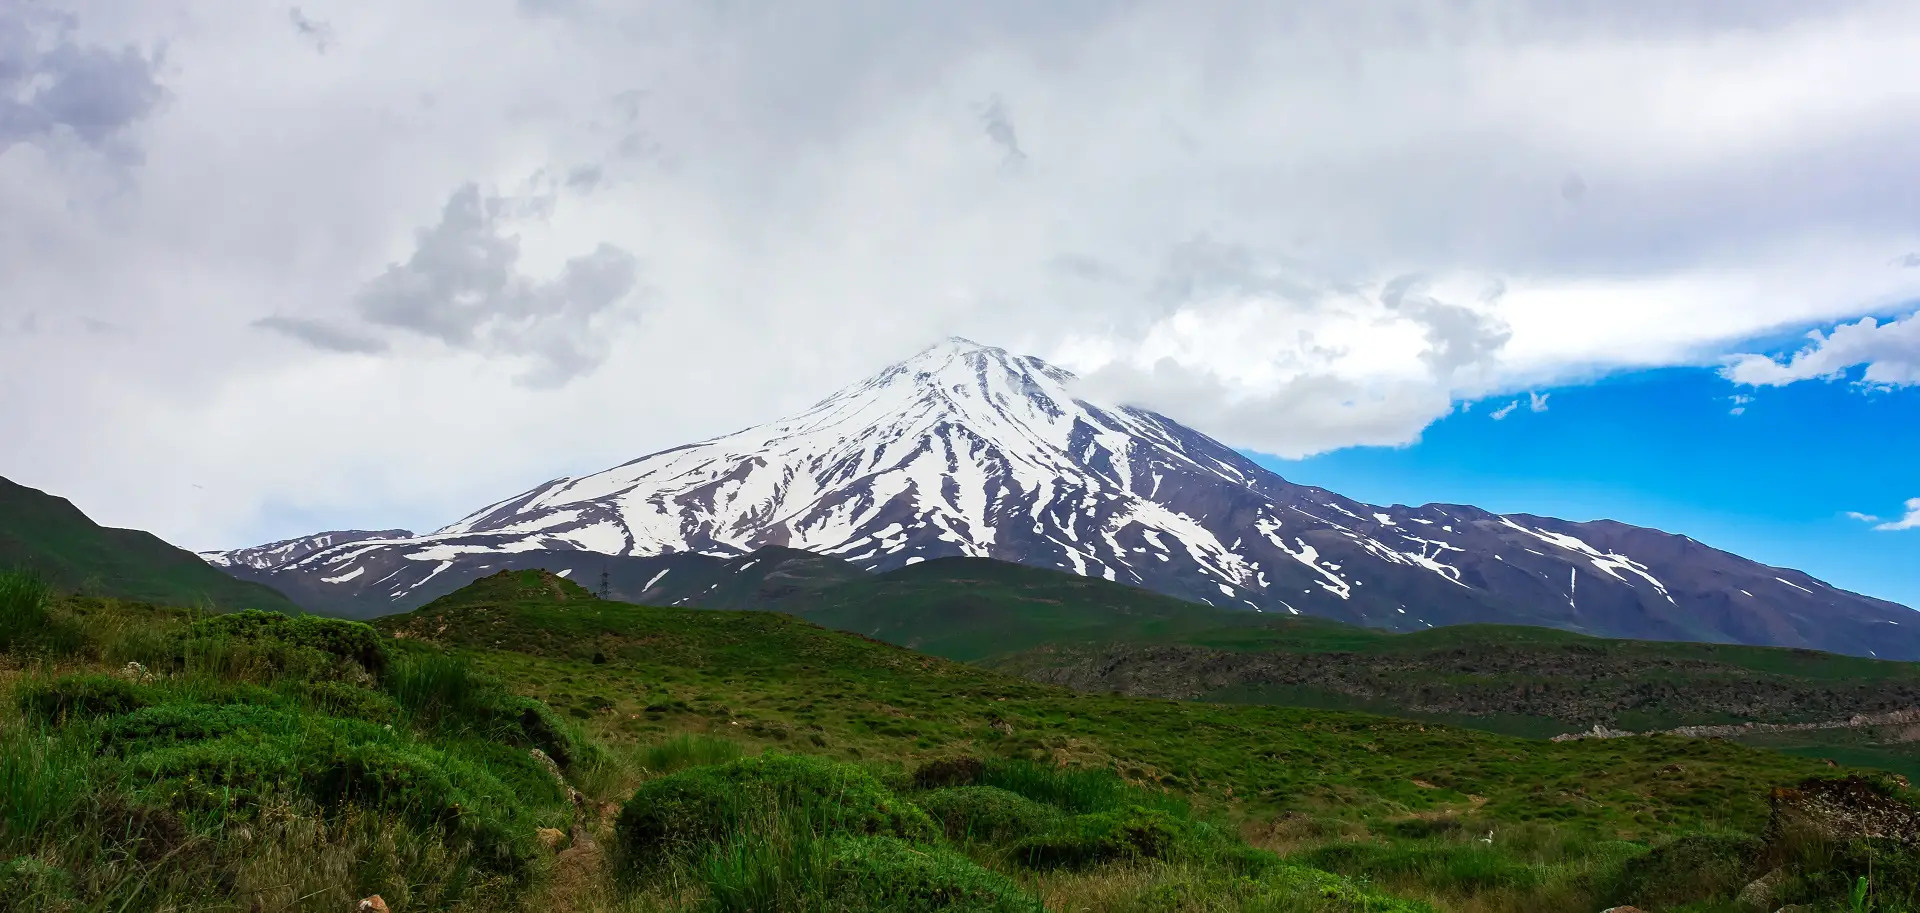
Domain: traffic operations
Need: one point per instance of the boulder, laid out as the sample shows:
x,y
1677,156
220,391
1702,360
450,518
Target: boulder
x,y
1842,809
1762,893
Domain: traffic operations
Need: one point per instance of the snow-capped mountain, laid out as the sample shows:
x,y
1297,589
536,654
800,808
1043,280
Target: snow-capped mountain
x,y
965,449
288,551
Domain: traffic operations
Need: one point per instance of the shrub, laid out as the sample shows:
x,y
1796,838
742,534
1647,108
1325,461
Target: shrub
x,y
1112,836
444,692
874,873
688,750
1687,869
344,765
83,696
987,814
348,701
945,772
1075,789
346,641
27,623
156,727
681,814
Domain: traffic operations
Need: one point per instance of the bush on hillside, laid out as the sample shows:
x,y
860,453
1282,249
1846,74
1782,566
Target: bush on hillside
x,y
157,727
1684,870
347,766
1078,790
443,692
1115,836
679,815
84,696
987,814
27,621
944,772
259,645
347,701
874,873
352,641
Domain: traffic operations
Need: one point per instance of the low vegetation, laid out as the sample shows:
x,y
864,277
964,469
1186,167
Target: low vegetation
x,y
523,746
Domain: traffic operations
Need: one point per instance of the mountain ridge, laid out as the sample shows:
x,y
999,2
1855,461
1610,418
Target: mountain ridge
x,y
52,537
967,450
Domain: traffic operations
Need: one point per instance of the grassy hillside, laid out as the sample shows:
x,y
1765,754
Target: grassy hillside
x,y
50,536
781,679
1100,636
716,760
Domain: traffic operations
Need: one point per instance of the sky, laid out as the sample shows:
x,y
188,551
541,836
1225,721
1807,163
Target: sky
x,y
266,269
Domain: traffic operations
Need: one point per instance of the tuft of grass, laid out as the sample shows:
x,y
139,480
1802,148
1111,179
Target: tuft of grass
x,y
681,815
791,859
27,623
1121,835
45,778
686,750
1079,790
987,814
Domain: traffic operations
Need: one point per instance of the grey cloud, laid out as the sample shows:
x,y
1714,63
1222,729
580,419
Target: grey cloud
x,y
313,31
50,83
1573,189
323,335
1908,261
1000,130
1081,266
1203,266
462,285
1457,336
585,178
539,9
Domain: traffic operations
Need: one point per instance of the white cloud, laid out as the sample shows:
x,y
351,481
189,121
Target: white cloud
x,y
1910,521
1537,402
1890,351
1505,410
1864,518
1295,225
1739,401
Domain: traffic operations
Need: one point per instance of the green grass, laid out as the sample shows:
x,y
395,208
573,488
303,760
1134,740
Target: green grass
x,y
773,680
712,760
688,749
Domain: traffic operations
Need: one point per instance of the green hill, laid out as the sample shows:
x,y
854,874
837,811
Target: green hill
x,y
50,536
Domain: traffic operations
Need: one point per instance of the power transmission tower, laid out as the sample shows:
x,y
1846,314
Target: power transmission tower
x,y
606,590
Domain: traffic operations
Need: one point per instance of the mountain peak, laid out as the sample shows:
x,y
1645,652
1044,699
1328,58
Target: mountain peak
x,y
966,450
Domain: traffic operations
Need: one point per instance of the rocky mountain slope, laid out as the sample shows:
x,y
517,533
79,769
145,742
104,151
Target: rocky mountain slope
x,y
967,450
